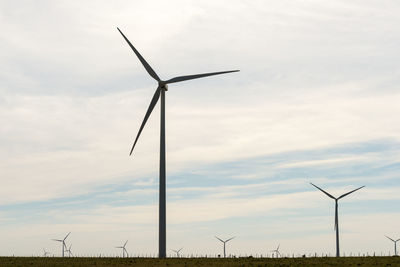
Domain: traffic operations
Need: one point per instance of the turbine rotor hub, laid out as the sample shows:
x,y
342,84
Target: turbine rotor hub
x,y
163,85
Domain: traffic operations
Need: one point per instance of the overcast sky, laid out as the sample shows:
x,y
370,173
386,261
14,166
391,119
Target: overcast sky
x,y
316,100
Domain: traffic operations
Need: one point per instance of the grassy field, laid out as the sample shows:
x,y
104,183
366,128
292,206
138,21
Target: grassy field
x,y
231,262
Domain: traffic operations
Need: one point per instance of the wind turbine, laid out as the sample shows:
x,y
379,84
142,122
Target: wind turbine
x,y
63,243
177,252
124,250
160,93
395,244
276,251
224,241
336,213
45,253
69,251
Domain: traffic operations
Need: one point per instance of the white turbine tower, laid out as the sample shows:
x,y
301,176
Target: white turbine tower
x,y
63,243
160,94
124,250
336,213
395,244
224,241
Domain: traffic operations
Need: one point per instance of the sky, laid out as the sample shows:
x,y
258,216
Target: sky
x,y
316,100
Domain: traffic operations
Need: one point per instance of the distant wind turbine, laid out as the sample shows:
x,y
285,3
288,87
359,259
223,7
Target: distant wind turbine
x,y
69,251
45,253
224,241
160,92
124,250
63,243
336,213
395,243
276,251
177,252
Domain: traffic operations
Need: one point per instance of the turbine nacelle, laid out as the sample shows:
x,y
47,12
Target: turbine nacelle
x,y
163,85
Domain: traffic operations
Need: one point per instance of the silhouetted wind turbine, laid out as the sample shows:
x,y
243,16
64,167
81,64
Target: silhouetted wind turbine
x,y
63,243
69,251
336,213
224,241
276,251
395,243
45,253
177,252
124,250
160,93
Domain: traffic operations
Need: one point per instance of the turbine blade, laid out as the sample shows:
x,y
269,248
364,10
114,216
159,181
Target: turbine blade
x,y
350,192
278,247
220,239
125,243
59,240
153,102
230,239
390,238
397,240
66,236
196,76
329,195
144,63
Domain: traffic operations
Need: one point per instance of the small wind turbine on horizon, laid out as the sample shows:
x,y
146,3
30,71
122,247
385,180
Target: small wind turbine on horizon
x,y
63,243
124,250
277,254
177,252
336,213
45,253
69,251
224,241
395,244
160,93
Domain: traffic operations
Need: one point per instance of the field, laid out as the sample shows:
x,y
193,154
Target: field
x,y
255,262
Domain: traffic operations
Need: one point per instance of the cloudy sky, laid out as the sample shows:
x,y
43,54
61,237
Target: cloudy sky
x,y
316,100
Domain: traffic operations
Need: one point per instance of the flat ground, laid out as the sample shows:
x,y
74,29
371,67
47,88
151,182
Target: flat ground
x,y
231,262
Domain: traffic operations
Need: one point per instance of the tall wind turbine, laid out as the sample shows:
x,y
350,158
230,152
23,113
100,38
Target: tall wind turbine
x,y
336,213
177,252
224,241
160,93
63,243
276,251
395,243
124,250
